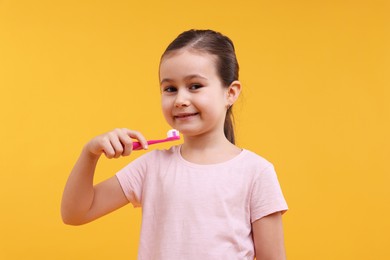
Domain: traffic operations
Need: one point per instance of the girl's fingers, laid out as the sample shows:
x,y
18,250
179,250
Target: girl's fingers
x,y
118,142
137,135
117,145
107,148
126,142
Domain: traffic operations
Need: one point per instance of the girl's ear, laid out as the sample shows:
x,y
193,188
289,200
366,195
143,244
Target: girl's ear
x,y
233,92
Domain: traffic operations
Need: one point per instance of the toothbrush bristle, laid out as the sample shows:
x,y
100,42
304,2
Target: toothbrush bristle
x,y
173,133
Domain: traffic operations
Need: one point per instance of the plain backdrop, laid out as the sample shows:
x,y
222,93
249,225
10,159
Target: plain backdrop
x,y
315,103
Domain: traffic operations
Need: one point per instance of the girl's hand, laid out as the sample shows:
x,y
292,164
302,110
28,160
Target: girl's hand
x,y
83,202
115,143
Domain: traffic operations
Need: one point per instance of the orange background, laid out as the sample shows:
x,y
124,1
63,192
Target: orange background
x,y
315,102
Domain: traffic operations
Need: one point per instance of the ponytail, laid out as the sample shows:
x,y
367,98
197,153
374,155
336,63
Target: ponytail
x,y
228,127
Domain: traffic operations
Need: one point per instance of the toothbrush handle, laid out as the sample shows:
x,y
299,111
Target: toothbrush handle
x,y
138,146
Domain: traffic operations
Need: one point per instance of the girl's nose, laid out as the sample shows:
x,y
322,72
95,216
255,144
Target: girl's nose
x,y
182,99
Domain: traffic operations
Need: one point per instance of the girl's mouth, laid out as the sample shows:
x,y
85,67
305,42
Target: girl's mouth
x,y
185,115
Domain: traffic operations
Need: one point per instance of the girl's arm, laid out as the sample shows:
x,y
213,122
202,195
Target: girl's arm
x,y
83,202
268,237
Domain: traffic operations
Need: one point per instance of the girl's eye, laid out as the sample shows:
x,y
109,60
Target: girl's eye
x,y
195,86
169,89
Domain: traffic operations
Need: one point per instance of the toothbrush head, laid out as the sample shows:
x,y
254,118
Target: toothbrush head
x,y
173,134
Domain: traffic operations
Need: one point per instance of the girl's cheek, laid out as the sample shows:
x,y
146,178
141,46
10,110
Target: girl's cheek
x,y
166,109
165,104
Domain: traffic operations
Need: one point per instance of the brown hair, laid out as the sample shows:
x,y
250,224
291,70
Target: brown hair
x,y
215,43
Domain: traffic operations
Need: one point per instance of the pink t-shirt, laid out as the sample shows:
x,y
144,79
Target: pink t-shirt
x,y
192,211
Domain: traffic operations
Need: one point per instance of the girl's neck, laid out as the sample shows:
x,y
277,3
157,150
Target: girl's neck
x,y
208,149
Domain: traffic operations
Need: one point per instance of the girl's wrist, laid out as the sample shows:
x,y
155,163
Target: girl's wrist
x,y
90,155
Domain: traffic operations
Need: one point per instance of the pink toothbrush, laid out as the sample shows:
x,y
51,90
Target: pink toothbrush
x,y
172,135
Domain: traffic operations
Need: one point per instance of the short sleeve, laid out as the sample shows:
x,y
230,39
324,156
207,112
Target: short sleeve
x,y
131,179
266,195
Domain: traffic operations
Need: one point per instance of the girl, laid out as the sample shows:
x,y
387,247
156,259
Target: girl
x,y
204,199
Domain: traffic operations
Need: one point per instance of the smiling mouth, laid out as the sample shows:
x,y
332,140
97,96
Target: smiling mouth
x,y
181,116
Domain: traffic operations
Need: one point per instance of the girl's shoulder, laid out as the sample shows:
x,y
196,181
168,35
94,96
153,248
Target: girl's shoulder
x,y
255,159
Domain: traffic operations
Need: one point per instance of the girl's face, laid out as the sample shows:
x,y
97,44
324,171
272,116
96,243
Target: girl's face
x,y
194,100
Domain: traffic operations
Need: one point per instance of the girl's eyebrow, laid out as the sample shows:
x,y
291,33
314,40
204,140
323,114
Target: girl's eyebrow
x,y
189,77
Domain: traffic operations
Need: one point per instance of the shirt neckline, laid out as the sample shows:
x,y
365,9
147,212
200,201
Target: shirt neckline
x,y
199,166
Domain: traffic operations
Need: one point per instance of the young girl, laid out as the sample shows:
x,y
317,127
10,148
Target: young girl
x,y
204,199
